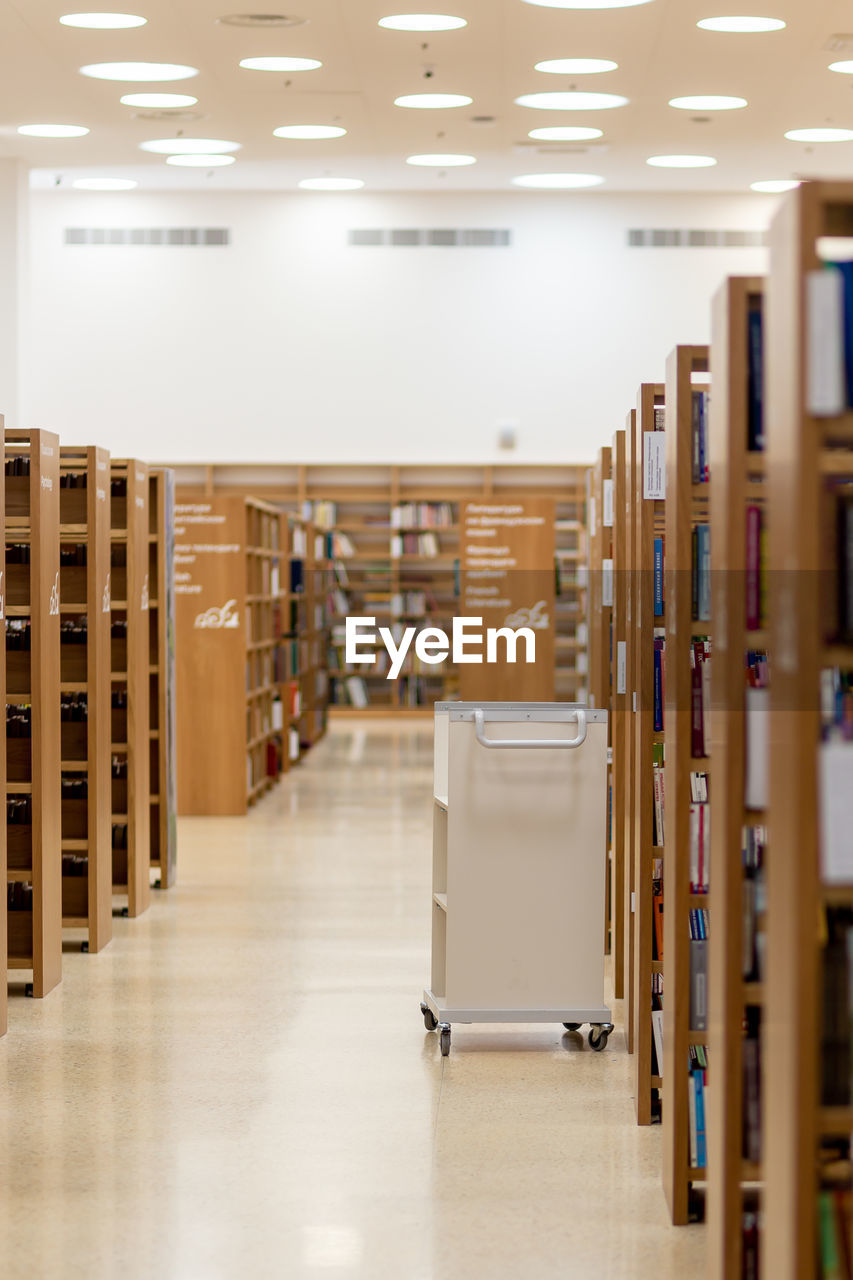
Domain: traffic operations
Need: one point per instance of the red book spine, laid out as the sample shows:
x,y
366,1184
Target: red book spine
x,y
753,568
697,734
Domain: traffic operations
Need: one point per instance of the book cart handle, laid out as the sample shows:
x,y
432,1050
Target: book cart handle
x,y
529,744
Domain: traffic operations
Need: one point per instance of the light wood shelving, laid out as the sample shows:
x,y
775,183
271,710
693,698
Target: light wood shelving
x,y
687,505
130,592
620,881
734,994
625,595
4,993
34,864
84,575
804,453
161,616
648,523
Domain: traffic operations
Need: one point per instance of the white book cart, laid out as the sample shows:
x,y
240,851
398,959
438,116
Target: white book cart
x,y
518,880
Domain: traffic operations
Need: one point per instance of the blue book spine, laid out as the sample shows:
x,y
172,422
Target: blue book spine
x,y
701,1146
846,269
703,401
756,379
658,563
658,690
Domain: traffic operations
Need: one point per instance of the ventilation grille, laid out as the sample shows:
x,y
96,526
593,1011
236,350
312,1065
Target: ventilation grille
x,y
404,237
660,238
148,235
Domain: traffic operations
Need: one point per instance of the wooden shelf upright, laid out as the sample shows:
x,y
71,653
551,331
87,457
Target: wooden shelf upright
x,y
130,593
686,507
4,993
806,456
648,524
625,594
735,992
84,574
161,616
620,886
34,863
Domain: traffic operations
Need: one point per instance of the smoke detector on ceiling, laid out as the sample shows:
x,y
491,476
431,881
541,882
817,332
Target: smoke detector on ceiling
x,y
484,122
256,20
841,42
560,148
168,115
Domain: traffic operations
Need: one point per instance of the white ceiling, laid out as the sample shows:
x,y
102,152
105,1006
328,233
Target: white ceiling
x,y
660,52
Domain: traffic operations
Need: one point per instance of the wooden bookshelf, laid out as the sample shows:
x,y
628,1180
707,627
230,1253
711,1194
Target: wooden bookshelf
x,y
130,593
315,636
734,994
687,505
364,497
620,883
805,455
34,937
4,993
84,575
648,523
624,497
161,620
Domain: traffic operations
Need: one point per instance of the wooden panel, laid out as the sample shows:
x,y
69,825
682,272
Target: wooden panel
x,y
626,585
162,690
4,939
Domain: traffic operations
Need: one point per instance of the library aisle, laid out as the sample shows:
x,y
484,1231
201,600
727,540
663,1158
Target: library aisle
x,y
244,1085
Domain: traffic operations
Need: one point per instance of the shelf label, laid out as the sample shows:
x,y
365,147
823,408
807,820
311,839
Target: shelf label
x,y
632,901
53,607
105,599
654,465
607,504
634,695
607,584
144,600
592,519
621,666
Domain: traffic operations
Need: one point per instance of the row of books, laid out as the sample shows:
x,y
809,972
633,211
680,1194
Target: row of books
x,y
835,768
700,697
658,793
755,380
837,559
756,569
698,1069
751,1124
836,1057
422,515
414,544
323,514
657,1024
700,834
835,1233
753,842
701,573
699,436
659,678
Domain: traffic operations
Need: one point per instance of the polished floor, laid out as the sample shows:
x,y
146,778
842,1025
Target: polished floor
x,y
241,1084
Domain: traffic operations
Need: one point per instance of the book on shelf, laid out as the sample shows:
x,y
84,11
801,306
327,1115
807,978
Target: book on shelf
x,y
700,400
750,1246
297,577
756,573
414,544
700,837
698,1068
342,546
658,554
322,513
701,572
698,984
659,678
422,515
660,417
700,697
753,840
751,1111
657,911
657,1042
836,1056
277,714
835,1234
298,540
341,573
755,379
338,601
757,731
357,691
658,793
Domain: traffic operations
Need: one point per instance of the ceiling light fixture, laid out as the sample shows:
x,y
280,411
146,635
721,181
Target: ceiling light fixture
x,y
143,72
681,162
189,146
433,101
819,135
565,133
200,162
280,64
587,4
844,68
103,21
306,131
558,181
576,66
441,161
158,101
104,184
53,130
422,22
571,101
741,25
707,102
774,186
331,184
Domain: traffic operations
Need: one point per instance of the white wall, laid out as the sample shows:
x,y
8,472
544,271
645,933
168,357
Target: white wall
x,y
291,345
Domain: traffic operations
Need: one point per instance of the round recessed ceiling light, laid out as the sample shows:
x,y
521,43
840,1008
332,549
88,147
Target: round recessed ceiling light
x,y
189,146
558,181
576,66
331,184
103,21
819,135
309,131
707,102
681,162
441,162
773,186
741,24
280,64
422,22
587,4
158,101
433,101
845,68
104,184
270,21
53,130
565,133
571,101
200,162
140,71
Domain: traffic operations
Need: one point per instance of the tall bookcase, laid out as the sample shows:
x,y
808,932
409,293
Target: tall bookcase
x,y
161,618
34,863
625,598
808,456
648,524
736,993
130,593
687,507
84,574
620,884
315,636
4,993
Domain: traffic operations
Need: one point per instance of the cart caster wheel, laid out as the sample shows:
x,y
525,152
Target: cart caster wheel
x,y
158,884
430,1020
28,991
572,1026
84,947
445,1040
125,911
598,1039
